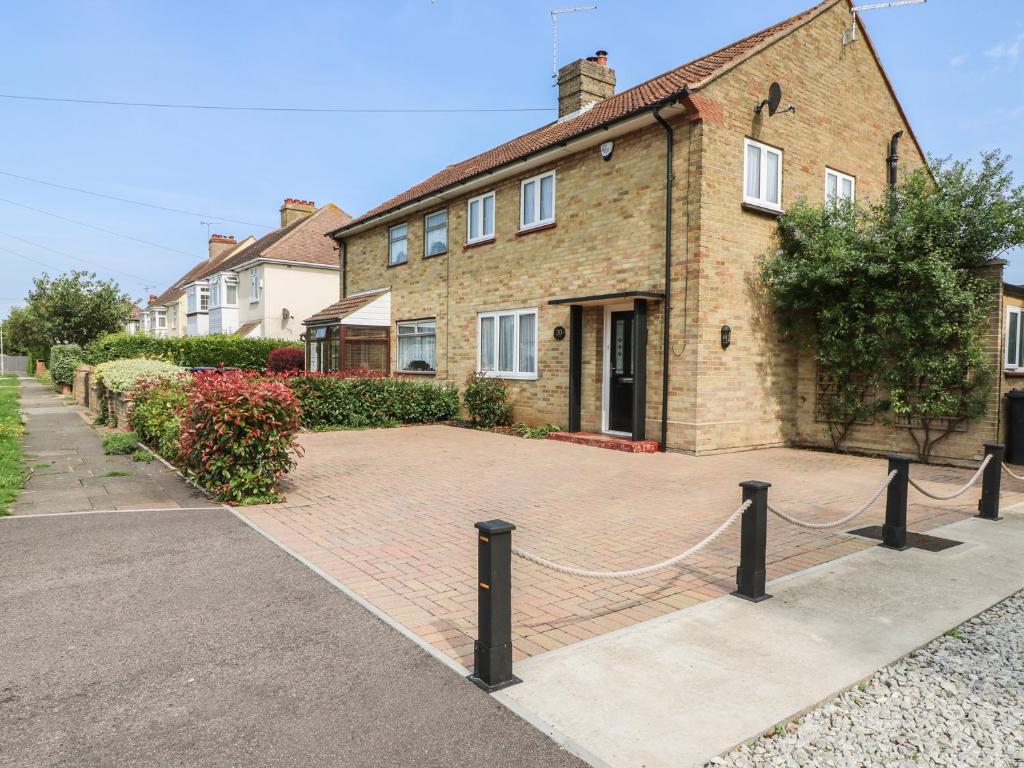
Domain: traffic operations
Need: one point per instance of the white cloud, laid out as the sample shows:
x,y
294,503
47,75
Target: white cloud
x,y
958,60
1006,49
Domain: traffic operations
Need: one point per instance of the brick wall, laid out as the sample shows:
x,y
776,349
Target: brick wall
x,y
80,384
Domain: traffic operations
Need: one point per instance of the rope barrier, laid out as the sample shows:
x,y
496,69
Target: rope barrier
x,y
842,521
1011,473
569,571
958,492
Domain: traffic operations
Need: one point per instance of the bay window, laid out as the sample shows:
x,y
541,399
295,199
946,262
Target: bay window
x,y
255,289
507,343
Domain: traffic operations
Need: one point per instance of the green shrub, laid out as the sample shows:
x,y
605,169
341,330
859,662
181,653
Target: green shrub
x,y
124,375
535,433
142,454
340,401
238,435
215,350
64,358
120,443
486,401
156,415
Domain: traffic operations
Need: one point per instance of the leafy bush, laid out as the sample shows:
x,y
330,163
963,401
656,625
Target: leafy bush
x,y
486,401
120,443
156,416
535,433
371,401
64,358
215,350
286,359
142,454
124,375
238,435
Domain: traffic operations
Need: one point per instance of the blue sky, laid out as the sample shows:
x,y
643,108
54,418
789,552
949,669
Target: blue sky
x,y
956,65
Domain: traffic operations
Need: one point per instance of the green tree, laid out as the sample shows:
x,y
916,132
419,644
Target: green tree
x,y
74,308
890,297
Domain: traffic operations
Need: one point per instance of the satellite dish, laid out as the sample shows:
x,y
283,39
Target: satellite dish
x,y
774,98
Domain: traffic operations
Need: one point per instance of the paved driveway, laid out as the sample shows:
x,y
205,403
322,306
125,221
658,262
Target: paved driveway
x,y
390,513
184,638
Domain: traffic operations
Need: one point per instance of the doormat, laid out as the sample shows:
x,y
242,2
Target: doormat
x,y
915,540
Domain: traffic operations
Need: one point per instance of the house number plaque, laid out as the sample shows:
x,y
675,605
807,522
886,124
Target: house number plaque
x,y
559,333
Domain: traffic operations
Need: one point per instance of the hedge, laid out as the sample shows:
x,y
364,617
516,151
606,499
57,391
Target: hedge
x,y
64,358
156,415
341,401
124,375
189,351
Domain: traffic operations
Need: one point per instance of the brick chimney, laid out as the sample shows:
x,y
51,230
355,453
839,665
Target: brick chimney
x,y
584,82
152,297
221,243
293,210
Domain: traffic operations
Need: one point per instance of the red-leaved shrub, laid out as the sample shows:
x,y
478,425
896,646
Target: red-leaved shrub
x,y
286,359
238,435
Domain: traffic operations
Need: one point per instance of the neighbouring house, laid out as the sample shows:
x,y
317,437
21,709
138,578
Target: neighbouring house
x,y
602,264
134,324
167,313
266,288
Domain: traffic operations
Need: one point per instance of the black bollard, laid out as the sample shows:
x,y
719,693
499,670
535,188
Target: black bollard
x,y
492,651
894,532
988,504
750,575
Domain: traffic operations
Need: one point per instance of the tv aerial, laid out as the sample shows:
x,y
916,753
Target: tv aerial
x,y
850,34
554,35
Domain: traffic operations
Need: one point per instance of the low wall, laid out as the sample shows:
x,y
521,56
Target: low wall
x,y
89,394
80,384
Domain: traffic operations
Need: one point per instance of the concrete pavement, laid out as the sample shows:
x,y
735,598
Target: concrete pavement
x,y
185,638
680,690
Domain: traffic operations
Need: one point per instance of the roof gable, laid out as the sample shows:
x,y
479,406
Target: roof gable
x,y
302,241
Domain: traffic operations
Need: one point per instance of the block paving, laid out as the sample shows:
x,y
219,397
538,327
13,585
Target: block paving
x,y
390,514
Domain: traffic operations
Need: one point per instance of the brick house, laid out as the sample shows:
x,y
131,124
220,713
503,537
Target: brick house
x,y
602,263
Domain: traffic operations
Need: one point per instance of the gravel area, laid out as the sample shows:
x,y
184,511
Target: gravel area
x,y
959,701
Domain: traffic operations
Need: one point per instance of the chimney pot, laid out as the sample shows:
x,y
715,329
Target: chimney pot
x,y
293,210
602,58
152,298
220,244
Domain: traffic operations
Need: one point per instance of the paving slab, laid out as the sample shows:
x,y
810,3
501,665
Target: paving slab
x,y
684,688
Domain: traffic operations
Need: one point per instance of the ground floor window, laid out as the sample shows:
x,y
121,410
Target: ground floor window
x,y
507,343
337,348
417,345
1014,339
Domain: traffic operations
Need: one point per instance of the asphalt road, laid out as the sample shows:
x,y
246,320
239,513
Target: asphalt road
x,y
182,638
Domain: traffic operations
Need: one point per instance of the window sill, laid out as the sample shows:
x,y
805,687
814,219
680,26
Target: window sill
x,y
761,209
1013,373
398,264
435,255
475,243
510,376
536,228
417,373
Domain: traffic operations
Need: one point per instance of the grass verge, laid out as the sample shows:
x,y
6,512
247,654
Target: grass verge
x,y
12,471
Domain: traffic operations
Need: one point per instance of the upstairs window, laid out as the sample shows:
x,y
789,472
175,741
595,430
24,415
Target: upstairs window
x,y
537,201
839,186
416,346
398,245
762,174
192,305
1014,339
214,295
231,293
480,218
435,234
255,289
204,298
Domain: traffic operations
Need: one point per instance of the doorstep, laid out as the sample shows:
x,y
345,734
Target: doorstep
x,y
613,442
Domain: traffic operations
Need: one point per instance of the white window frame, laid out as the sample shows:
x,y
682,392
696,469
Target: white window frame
x,y
515,372
214,296
191,300
1018,349
173,322
161,320
255,289
484,237
762,201
840,178
427,230
417,333
537,220
392,240
204,293
230,282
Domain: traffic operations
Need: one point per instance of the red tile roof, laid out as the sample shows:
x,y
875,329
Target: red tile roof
x,y
646,95
301,241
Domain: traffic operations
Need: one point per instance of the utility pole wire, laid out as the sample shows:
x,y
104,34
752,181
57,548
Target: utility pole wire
x,y
98,229
134,202
66,255
228,108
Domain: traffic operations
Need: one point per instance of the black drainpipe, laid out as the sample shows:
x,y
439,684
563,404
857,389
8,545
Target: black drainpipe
x,y
894,158
344,268
666,314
